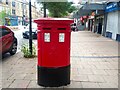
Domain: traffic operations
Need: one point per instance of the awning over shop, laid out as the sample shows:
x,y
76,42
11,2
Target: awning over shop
x,y
84,12
87,9
81,13
94,6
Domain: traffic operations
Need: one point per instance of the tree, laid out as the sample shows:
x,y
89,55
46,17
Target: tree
x,y
59,9
3,15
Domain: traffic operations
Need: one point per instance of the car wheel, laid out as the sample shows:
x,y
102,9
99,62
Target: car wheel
x,y
23,36
13,49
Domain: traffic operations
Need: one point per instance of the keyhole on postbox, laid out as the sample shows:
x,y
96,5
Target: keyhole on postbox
x,y
47,37
61,37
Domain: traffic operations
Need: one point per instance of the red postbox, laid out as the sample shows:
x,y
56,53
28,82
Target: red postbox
x,y
53,51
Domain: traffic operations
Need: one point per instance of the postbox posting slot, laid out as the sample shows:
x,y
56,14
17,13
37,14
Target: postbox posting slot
x,y
61,37
61,28
46,28
46,37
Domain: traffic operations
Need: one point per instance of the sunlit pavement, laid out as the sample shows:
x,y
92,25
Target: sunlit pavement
x,y
94,64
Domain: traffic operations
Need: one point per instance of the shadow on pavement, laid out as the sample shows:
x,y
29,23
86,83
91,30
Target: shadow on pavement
x,y
5,56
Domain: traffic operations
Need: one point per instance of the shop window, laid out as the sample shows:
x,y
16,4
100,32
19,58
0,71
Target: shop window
x,y
118,37
108,34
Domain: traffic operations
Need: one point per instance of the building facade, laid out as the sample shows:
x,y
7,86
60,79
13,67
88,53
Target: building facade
x,y
103,17
18,11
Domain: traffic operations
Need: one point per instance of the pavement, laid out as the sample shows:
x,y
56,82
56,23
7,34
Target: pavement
x,y
94,64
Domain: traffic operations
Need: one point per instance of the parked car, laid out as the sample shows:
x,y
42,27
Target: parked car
x,y
34,31
8,42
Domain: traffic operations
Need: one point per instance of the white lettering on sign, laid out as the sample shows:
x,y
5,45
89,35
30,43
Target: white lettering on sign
x,y
61,37
47,37
112,6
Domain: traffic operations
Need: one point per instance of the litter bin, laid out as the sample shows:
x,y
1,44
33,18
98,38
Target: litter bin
x,y
53,51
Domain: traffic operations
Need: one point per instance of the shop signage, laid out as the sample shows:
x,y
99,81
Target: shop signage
x,y
14,20
13,17
85,16
112,7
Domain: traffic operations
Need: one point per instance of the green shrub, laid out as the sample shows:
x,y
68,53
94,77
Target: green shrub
x,y
26,52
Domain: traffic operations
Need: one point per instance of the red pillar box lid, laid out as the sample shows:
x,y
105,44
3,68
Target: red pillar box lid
x,y
53,21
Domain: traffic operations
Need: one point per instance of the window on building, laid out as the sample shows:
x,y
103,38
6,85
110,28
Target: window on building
x,y
18,5
1,8
13,3
13,11
7,2
0,1
21,5
24,6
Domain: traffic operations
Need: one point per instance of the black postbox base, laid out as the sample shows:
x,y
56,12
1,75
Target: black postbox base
x,y
53,77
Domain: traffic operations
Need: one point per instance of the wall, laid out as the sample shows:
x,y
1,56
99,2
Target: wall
x,y
19,9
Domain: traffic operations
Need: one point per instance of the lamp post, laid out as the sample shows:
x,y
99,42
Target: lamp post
x,y
23,13
44,9
30,28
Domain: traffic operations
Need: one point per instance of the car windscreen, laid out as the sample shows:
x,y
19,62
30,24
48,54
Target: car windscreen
x,y
0,32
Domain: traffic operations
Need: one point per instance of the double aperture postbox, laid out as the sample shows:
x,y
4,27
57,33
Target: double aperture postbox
x,y
53,51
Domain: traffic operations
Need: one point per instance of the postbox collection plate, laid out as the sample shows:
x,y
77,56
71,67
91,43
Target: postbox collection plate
x,y
61,37
47,37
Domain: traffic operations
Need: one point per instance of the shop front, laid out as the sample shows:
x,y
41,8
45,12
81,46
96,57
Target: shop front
x,y
95,17
13,20
113,20
96,21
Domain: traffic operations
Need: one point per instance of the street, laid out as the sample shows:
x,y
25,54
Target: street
x,y
21,40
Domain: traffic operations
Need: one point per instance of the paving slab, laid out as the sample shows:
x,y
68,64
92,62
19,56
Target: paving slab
x,y
20,84
33,84
90,85
108,85
7,83
74,84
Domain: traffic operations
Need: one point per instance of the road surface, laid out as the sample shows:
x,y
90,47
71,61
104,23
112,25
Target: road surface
x,y
21,40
